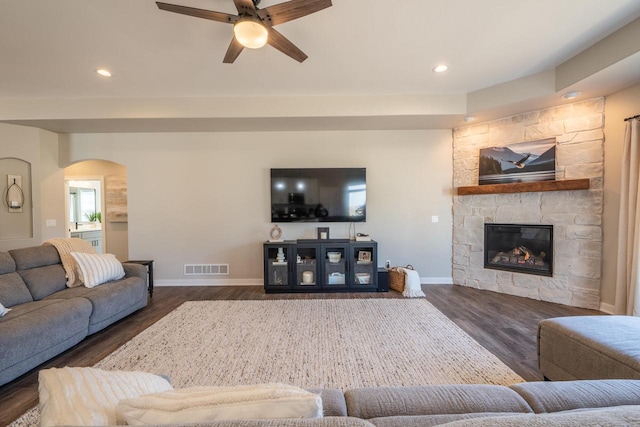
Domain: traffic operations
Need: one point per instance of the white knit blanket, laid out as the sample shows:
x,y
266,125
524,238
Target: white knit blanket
x,y
65,246
412,288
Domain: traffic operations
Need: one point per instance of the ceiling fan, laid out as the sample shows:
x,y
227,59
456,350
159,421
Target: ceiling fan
x,y
253,27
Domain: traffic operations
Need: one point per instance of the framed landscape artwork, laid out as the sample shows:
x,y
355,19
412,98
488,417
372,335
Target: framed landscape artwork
x,y
520,162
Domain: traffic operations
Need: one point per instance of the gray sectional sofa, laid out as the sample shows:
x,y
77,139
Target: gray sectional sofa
x,y
535,404
46,317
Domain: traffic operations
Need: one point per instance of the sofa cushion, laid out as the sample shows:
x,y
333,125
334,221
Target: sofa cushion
x,y
13,290
44,281
376,402
7,264
110,301
35,256
96,269
566,395
89,396
429,420
32,333
291,422
605,417
204,404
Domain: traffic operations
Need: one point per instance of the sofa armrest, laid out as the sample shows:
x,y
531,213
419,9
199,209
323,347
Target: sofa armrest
x,y
135,270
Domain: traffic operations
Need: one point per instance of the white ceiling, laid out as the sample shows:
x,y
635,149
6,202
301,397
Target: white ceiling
x,y
359,50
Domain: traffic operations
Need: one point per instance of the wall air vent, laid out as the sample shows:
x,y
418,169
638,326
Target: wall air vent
x,y
206,269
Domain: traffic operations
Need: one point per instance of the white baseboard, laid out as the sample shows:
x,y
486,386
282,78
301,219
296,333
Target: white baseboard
x,y
260,282
607,308
208,282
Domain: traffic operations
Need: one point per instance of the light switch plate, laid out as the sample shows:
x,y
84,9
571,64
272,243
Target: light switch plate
x,y
434,218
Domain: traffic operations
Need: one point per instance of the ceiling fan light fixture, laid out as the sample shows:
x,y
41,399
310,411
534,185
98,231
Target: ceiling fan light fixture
x,y
250,33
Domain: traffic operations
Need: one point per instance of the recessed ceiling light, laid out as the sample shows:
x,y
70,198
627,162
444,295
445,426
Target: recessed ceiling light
x,y
572,95
440,68
103,72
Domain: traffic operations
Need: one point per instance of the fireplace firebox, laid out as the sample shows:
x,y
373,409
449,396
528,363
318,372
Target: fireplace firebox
x,y
522,248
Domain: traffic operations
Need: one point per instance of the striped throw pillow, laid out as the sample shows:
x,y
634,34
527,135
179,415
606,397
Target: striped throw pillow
x,y
96,269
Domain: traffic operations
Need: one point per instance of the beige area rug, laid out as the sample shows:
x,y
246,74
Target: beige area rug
x,y
308,343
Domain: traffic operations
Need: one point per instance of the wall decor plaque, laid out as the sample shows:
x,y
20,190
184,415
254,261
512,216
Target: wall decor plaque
x,y
116,198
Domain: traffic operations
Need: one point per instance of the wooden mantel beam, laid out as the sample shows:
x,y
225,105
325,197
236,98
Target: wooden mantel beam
x,y
526,187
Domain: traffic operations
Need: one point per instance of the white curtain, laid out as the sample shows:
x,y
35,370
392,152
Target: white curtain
x,y
628,278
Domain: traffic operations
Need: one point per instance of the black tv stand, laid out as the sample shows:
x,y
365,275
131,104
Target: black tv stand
x,y
320,265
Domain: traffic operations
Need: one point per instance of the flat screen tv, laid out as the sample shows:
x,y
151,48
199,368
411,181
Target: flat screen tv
x,y
319,195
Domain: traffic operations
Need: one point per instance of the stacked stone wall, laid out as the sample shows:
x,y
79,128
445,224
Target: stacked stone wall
x,y
576,215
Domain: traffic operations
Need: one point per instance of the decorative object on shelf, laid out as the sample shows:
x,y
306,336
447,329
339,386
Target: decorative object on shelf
x,y
14,195
307,277
336,279
280,257
334,257
527,161
298,259
363,278
276,234
361,237
364,256
323,233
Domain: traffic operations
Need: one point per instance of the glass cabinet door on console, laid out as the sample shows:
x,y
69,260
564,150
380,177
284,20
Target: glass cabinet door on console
x,y
335,272
305,267
277,265
365,266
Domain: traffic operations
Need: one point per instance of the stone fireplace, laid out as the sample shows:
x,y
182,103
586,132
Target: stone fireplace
x,y
575,215
522,248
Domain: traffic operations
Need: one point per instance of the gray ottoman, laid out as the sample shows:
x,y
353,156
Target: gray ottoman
x,y
589,347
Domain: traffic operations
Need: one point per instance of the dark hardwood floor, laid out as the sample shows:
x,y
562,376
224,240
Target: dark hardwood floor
x,y
504,324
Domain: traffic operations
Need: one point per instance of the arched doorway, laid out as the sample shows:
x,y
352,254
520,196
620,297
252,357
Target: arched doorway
x,y
97,188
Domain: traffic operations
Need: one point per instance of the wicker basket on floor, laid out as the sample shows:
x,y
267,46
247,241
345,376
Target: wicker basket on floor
x,y
396,278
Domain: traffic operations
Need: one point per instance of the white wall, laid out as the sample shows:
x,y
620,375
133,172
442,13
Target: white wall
x,y
204,197
40,149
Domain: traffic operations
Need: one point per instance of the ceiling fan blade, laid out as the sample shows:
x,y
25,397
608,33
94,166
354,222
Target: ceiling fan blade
x,y
198,13
245,6
233,51
281,43
290,10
